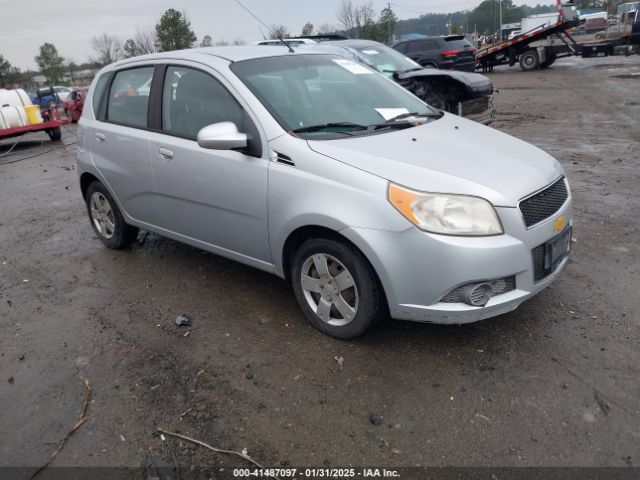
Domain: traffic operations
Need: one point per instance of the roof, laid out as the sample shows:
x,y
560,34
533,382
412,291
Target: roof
x,y
233,53
356,44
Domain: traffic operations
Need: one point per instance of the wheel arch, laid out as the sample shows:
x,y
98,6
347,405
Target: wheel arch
x,y
298,236
87,179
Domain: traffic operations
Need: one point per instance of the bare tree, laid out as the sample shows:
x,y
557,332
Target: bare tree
x,y
146,41
107,48
278,31
326,29
347,16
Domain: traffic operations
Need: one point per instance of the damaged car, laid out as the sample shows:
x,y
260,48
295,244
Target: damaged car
x,y
469,95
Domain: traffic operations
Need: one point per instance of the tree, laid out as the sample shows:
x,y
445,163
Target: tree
x,y
278,31
129,49
146,41
71,68
307,30
107,48
50,62
387,22
5,71
326,29
174,32
358,21
206,41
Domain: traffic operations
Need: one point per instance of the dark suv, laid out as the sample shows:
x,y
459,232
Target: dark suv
x,y
447,53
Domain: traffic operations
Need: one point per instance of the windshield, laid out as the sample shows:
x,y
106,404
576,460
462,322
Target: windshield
x,y
387,60
304,92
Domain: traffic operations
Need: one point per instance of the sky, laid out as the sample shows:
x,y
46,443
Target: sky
x,y
70,24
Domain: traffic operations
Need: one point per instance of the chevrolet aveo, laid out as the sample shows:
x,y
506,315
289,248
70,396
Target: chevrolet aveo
x,y
317,169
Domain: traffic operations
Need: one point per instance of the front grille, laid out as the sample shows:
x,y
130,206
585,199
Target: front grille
x,y
500,286
544,204
474,106
539,270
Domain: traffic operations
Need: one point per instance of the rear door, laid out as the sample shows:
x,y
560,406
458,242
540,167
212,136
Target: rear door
x,y
218,197
119,142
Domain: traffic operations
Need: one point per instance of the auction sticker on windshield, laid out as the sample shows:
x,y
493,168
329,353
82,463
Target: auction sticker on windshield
x,y
353,67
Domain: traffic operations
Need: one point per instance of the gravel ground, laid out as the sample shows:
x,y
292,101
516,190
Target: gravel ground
x,y
554,383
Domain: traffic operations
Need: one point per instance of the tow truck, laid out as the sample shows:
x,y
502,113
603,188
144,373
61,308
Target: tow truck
x,y
540,47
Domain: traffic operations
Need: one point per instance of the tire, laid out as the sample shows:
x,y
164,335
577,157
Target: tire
x,y
529,61
106,220
350,288
438,100
55,134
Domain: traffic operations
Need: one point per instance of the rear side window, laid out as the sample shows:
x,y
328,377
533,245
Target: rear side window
x,y
421,45
129,97
99,91
457,44
192,99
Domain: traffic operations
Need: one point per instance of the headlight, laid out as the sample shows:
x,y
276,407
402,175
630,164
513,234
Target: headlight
x,y
446,214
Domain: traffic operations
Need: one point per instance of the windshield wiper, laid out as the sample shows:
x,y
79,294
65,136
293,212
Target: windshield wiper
x,y
414,114
328,126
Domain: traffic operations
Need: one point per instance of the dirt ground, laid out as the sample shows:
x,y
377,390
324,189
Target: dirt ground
x,y
554,383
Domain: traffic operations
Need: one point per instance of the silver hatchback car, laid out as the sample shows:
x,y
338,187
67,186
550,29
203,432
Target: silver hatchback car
x,y
321,171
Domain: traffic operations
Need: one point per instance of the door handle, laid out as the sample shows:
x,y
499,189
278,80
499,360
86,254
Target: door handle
x,y
165,153
100,137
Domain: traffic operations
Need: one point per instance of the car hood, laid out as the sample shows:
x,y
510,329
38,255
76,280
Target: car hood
x,y
475,84
450,155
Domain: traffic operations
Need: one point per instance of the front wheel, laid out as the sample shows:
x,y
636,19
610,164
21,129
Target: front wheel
x,y
336,288
106,219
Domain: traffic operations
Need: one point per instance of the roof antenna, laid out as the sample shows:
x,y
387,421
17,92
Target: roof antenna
x,y
267,26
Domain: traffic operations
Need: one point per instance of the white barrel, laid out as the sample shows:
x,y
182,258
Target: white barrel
x,y
12,117
3,125
15,98
22,113
24,98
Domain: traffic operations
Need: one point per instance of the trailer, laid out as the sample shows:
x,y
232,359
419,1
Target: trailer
x,y
51,124
539,47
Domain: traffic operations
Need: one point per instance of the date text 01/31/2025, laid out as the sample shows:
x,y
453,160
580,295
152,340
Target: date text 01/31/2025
x,y
313,473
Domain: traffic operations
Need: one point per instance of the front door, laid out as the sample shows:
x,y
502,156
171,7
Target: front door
x,y
218,197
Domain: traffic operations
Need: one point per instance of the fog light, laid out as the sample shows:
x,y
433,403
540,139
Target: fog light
x,y
478,294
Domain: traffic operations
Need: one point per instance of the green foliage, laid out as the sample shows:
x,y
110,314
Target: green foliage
x,y
387,23
50,62
174,31
5,71
485,18
307,30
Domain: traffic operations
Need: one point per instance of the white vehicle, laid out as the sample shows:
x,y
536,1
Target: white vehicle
x,y
63,92
514,34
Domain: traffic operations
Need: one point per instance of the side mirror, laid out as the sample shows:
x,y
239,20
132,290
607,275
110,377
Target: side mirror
x,y
222,136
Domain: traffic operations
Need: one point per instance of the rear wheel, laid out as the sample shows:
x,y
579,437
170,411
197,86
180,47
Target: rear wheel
x,y
529,61
106,219
336,288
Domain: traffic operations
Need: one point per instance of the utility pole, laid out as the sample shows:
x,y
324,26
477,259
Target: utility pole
x,y
500,19
389,39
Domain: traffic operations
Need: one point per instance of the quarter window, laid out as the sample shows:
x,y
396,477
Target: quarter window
x,y
193,99
129,97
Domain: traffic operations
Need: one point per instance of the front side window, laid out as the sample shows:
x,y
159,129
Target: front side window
x,y
307,91
387,60
129,97
192,99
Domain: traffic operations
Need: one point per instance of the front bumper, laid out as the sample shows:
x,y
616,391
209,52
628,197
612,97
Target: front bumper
x,y
418,269
469,109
